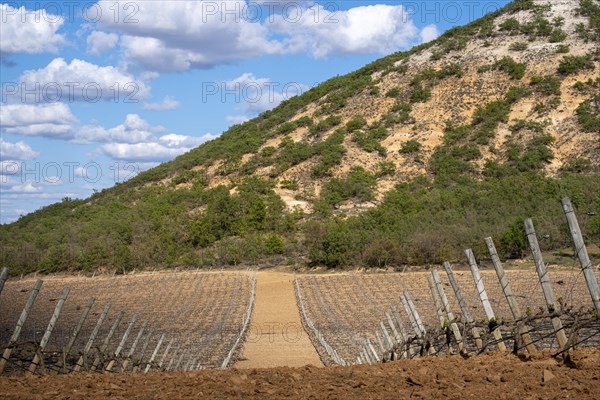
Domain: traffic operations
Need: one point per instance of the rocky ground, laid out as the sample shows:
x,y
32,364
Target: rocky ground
x,y
490,376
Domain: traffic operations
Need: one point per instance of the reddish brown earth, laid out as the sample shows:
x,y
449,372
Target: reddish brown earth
x,y
492,376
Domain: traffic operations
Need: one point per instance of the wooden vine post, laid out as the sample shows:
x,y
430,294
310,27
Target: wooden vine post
x,y
582,254
133,346
3,278
485,301
106,342
90,342
510,297
462,303
75,334
155,353
112,362
446,304
42,346
17,332
542,272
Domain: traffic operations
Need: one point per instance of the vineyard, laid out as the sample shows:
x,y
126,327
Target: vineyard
x,y
348,309
151,321
368,318
183,321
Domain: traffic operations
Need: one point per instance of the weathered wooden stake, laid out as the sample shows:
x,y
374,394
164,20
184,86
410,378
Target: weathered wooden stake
x,y
582,254
133,346
401,330
542,272
462,303
106,342
380,342
485,301
175,353
510,297
3,278
365,354
90,341
446,304
373,351
112,362
436,302
413,310
179,362
140,360
17,332
386,336
162,337
397,336
49,329
164,356
75,334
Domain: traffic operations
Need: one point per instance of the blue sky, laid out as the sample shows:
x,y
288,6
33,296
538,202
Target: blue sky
x,y
95,92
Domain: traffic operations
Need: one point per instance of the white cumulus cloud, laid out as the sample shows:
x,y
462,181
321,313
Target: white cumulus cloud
x,y
135,140
174,36
83,81
163,150
429,33
16,151
181,35
370,29
26,187
167,103
53,120
99,42
28,31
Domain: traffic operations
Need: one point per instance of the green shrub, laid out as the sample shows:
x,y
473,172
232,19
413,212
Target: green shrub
x,y
386,168
557,36
514,69
293,153
395,92
286,128
534,126
511,25
573,64
369,141
588,114
548,86
355,123
518,46
289,184
420,94
563,48
357,185
331,152
577,165
304,121
325,125
410,147
454,134
274,244
591,9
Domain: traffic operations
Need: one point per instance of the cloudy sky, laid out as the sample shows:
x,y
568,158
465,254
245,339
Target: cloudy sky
x,y
95,92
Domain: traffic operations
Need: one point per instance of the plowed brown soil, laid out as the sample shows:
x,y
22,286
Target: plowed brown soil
x,y
491,376
276,337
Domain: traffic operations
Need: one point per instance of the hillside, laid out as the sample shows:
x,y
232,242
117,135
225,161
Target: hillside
x,y
406,160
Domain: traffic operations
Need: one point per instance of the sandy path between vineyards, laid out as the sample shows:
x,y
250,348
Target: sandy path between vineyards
x,y
276,337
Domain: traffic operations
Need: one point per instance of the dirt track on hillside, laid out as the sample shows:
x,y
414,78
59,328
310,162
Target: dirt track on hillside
x,y
492,376
277,337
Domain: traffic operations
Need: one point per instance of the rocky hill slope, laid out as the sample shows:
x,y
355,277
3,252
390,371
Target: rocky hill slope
x,y
498,117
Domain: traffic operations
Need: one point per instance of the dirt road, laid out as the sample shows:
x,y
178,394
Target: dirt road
x,y
276,337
